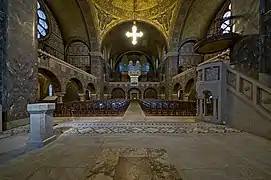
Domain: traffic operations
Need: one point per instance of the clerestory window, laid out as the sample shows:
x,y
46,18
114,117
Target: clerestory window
x,y
226,25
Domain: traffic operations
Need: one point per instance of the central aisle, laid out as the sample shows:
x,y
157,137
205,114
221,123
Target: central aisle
x,y
134,112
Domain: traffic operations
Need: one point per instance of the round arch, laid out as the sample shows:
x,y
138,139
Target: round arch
x,y
47,81
134,93
78,84
188,87
150,93
118,93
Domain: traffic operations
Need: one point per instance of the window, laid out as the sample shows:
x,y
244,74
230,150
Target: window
x,y
226,25
50,90
42,25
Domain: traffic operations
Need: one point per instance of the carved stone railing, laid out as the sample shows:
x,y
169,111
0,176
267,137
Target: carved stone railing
x,y
251,89
184,75
140,84
56,65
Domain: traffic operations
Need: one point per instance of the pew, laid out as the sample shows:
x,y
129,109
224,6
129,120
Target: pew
x,y
155,107
112,107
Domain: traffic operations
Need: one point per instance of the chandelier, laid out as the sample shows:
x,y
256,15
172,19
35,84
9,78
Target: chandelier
x,y
134,34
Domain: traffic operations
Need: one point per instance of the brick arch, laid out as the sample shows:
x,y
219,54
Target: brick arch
x,y
190,83
151,92
52,77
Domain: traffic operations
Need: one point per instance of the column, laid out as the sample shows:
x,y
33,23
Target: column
x,y
60,96
171,69
205,107
19,66
1,119
97,69
82,97
41,124
214,108
200,107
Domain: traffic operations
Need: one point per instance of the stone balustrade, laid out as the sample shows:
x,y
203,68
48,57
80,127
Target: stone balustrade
x,y
59,67
251,89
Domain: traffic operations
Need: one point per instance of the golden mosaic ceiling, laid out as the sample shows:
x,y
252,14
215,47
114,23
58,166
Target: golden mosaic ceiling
x,y
109,13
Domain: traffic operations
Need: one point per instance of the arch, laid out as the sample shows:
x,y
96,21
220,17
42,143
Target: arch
x,y
134,93
45,79
188,87
118,93
78,84
150,93
73,88
176,88
91,88
141,21
208,100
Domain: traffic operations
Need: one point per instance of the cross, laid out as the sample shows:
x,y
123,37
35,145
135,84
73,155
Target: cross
x,y
134,34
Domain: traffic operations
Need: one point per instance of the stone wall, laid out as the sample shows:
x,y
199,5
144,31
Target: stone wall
x,y
78,55
248,13
20,70
53,44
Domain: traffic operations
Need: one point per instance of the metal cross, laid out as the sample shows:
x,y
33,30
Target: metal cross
x,y
134,34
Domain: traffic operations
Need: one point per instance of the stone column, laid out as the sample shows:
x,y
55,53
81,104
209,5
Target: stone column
x,y
171,60
1,119
200,107
19,67
205,107
41,124
97,69
82,97
214,108
60,96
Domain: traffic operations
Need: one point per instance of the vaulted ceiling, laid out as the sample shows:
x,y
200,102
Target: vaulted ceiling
x,y
109,13
92,20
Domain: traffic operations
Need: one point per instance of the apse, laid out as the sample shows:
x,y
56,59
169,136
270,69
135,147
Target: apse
x,y
116,43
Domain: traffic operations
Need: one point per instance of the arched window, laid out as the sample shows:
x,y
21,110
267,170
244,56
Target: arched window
x,y
50,90
42,25
226,25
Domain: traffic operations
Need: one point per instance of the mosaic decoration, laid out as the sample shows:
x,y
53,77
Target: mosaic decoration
x,y
143,128
159,13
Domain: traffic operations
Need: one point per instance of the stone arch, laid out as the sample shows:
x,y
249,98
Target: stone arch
x,y
90,91
46,78
150,93
118,93
189,85
187,57
176,88
132,93
73,88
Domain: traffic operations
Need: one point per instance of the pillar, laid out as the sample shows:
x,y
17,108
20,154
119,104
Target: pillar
x,y
41,124
214,108
19,67
60,96
1,120
200,107
82,97
171,69
97,69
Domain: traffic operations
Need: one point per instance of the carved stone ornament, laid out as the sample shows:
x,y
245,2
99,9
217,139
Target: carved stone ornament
x,y
211,74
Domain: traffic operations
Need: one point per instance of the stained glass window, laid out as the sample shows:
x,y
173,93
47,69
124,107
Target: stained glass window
x,y
226,26
42,26
50,90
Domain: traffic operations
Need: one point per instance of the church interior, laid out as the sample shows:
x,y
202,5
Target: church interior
x,y
135,89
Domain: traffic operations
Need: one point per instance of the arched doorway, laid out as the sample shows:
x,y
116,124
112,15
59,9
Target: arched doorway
x,y
118,93
134,94
90,92
150,93
73,88
190,90
48,84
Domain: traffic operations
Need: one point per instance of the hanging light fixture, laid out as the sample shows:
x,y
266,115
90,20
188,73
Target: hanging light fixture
x,y
134,34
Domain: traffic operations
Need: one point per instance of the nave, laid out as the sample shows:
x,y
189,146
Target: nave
x,y
135,146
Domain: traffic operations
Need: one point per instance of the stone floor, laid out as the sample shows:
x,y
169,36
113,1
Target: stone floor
x,y
189,156
138,149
